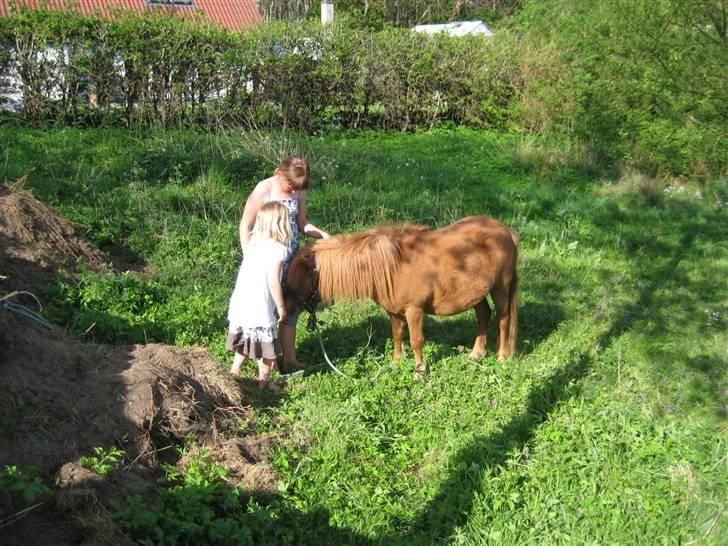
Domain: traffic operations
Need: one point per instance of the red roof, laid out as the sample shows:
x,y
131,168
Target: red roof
x,y
231,14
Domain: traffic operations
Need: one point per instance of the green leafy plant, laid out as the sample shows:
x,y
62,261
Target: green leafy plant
x,y
197,506
105,461
29,486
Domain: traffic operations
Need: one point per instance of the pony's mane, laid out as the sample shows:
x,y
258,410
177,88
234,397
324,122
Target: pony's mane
x,y
361,265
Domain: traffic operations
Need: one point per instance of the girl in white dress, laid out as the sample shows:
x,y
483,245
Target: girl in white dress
x,y
256,305
288,185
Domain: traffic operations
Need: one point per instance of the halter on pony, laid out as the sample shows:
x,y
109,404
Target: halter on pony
x,y
310,302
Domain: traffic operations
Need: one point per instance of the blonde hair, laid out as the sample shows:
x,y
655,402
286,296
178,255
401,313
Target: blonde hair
x,y
296,172
273,222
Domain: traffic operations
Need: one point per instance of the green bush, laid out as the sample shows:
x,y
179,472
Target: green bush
x,y
104,461
197,508
639,82
151,69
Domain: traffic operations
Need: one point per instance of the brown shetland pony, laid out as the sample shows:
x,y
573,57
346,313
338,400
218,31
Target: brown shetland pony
x,y
411,271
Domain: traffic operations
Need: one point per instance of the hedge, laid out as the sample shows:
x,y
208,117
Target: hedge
x,y
155,68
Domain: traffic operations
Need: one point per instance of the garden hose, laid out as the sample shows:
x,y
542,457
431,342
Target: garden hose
x,y
23,310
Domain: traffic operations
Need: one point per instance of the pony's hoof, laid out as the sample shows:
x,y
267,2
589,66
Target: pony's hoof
x,y
291,367
421,375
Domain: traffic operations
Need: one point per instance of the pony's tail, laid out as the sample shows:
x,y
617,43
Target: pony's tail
x,y
513,299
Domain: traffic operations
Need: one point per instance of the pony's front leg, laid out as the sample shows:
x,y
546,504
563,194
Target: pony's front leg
x,y
397,334
415,322
482,313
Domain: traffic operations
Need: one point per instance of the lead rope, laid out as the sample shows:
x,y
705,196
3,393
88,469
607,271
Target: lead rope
x,y
313,327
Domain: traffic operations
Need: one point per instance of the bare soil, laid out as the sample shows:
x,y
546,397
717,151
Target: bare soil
x,y
61,398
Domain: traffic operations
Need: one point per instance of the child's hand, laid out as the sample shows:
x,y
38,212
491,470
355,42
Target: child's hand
x,y
282,314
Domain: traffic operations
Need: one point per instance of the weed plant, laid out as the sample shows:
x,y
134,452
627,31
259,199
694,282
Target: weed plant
x,y
24,484
609,426
104,461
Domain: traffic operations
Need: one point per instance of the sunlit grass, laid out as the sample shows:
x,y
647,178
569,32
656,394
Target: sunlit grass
x,y
609,426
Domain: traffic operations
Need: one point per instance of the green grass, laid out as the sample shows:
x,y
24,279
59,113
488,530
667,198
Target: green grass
x,y
609,427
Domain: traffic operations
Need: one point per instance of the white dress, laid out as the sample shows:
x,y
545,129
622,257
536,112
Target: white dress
x,y
252,310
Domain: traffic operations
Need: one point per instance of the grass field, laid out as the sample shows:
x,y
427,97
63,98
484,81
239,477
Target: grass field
x,y
609,426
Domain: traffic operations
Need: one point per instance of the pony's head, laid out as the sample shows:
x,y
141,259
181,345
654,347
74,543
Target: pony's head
x,y
301,291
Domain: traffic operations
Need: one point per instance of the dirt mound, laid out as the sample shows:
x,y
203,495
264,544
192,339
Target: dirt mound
x,y
62,398
84,395
35,242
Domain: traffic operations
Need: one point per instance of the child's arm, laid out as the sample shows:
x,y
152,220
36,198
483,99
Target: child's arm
x,y
252,204
274,285
304,225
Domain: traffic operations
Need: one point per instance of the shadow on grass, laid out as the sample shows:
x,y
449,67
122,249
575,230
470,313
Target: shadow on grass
x,y
444,336
214,513
681,296
451,505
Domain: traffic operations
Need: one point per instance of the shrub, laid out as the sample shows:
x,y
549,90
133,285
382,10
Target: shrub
x,y
638,82
153,69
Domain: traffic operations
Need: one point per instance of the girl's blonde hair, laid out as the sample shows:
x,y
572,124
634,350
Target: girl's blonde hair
x,y
273,222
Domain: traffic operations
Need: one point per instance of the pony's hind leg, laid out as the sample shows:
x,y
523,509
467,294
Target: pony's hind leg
x,y
482,313
503,316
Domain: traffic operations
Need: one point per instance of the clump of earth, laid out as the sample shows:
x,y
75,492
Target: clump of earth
x,y
62,398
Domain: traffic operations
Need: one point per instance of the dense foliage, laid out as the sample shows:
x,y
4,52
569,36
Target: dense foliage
x,y
161,69
377,14
639,82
